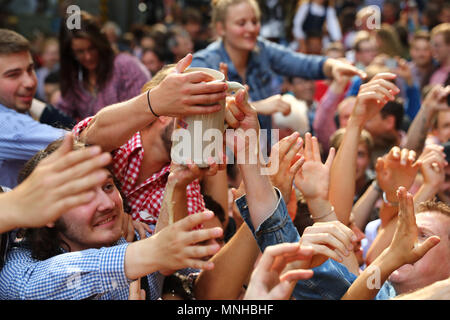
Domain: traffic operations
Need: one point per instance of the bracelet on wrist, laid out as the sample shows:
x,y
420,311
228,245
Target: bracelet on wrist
x,y
385,200
376,186
323,216
149,105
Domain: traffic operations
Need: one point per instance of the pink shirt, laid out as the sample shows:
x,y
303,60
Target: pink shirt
x,y
440,75
128,77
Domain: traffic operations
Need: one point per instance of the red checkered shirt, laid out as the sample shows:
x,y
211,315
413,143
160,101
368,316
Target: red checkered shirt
x,y
145,199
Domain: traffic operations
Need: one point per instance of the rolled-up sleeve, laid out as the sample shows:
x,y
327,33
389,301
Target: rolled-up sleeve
x,y
69,276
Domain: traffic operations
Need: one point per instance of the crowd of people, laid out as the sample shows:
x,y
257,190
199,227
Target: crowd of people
x,y
354,96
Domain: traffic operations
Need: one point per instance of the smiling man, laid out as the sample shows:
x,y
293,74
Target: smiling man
x,y
84,254
20,135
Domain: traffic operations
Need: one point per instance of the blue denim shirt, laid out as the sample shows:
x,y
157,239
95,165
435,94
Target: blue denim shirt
x,y
267,60
331,279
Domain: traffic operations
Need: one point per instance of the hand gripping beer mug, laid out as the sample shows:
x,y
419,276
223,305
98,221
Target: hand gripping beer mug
x,y
199,137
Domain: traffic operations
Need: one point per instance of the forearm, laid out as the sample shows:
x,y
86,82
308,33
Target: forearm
x,y
425,192
319,209
343,173
261,196
364,288
136,263
417,131
114,125
324,125
216,186
382,241
232,266
174,204
9,212
362,208
69,276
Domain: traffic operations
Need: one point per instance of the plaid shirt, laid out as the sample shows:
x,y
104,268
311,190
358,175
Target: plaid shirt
x,y
144,199
95,274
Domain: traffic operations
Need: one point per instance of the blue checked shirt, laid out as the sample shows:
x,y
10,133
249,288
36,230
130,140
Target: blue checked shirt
x,y
89,274
20,138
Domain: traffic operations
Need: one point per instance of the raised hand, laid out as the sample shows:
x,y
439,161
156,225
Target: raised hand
x,y
313,178
336,69
372,97
60,182
268,282
272,105
405,247
181,94
433,164
285,156
242,116
328,240
173,247
403,70
184,174
397,168
436,100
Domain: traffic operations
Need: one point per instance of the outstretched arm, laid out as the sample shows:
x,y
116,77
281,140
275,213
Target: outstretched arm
x,y
178,94
60,182
371,98
403,250
434,102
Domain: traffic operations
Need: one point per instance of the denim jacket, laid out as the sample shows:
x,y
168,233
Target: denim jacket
x,y
331,279
267,60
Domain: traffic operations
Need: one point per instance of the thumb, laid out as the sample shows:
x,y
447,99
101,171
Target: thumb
x,y
183,63
65,147
281,291
423,248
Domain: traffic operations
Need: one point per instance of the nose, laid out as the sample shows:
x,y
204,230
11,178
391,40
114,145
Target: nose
x,y
29,80
104,201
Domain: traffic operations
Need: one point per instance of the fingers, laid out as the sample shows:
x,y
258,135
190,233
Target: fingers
x,y
63,160
406,215
204,99
407,157
194,110
71,187
308,147
316,149
296,275
425,246
241,98
65,147
197,236
223,67
80,166
136,293
201,251
272,252
183,63
331,155
297,165
333,234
